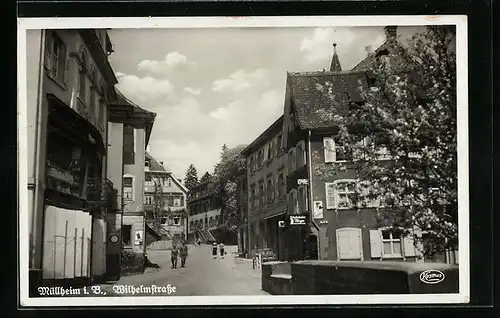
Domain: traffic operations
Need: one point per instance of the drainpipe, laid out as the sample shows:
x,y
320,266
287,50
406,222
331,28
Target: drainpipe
x,y
36,161
311,197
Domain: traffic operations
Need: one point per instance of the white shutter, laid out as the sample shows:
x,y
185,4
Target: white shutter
x,y
65,56
329,149
330,195
343,245
375,244
355,243
409,246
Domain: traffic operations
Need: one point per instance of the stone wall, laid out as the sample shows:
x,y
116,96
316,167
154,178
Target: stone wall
x,y
344,278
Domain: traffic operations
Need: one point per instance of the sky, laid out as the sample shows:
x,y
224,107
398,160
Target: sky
x,y
210,86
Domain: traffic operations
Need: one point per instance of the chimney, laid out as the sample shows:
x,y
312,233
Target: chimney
x,y
390,32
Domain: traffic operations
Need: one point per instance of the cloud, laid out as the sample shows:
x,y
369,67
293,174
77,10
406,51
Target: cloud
x,y
192,90
318,47
241,80
144,88
171,61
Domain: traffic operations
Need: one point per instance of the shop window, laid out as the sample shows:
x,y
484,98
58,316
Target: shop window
x,y
128,188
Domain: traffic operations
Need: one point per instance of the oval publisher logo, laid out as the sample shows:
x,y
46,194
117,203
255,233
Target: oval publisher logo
x,y
432,276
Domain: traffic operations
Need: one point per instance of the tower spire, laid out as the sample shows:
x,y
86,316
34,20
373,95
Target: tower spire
x,y
335,65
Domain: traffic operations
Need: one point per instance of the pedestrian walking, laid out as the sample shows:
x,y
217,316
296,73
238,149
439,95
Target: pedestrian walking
x,y
174,255
221,249
214,250
183,253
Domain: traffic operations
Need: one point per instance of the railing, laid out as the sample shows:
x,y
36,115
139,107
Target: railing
x,y
100,192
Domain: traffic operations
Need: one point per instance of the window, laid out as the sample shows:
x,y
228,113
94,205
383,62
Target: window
x,y
349,244
92,95
365,195
335,151
168,182
177,220
278,145
270,189
303,199
391,243
260,158
252,196
262,195
293,203
57,58
281,184
127,234
128,145
146,165
301,154
270,150
251,165
148,199
291,160
82,89
128,188
291,123
340,194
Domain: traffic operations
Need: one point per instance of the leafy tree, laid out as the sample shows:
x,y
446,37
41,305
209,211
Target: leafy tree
x,y
227,172
206,177
191,179
408,115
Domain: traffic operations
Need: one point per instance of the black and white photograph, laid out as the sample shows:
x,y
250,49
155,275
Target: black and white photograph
x,y
249,160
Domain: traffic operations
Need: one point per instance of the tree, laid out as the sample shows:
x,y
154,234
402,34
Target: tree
x,y
206,177
410,115
227,172
191,179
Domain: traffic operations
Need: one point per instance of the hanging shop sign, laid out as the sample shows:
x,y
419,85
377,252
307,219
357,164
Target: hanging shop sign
x,y
302,181
318,210
139,237
298,219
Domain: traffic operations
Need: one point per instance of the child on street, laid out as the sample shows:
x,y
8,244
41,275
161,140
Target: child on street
x,y
214,250
221,249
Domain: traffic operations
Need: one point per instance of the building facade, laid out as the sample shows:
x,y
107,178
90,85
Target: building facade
x,y
266,188
337,228
242,235
165,201
204,213
135,124
67,109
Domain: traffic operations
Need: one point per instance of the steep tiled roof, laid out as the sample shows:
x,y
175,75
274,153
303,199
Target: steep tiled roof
x,y
391,46
316,110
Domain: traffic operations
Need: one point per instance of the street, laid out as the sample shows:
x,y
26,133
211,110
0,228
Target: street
x,y
202,276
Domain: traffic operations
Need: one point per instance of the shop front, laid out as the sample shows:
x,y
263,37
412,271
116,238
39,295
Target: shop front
x,y
74,152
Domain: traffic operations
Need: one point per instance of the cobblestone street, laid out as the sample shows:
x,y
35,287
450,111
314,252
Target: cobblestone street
x,y
202,275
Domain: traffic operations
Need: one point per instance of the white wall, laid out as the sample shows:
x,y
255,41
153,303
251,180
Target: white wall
x,y
66,243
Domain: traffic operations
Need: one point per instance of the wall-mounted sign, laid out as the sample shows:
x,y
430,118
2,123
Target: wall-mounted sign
x,y
302,181
318,210
139,237
114,238
299,219
281,223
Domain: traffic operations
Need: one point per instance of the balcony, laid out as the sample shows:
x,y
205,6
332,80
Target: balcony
x,y
100,193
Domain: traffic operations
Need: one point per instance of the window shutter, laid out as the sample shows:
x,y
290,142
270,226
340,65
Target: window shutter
x,y
48,50
343,244
409,247
330,195
375,244
329,149
66,63
419,247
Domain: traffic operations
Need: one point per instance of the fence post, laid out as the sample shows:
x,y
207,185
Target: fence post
x,y
75,241
55,255
83,248
65,248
